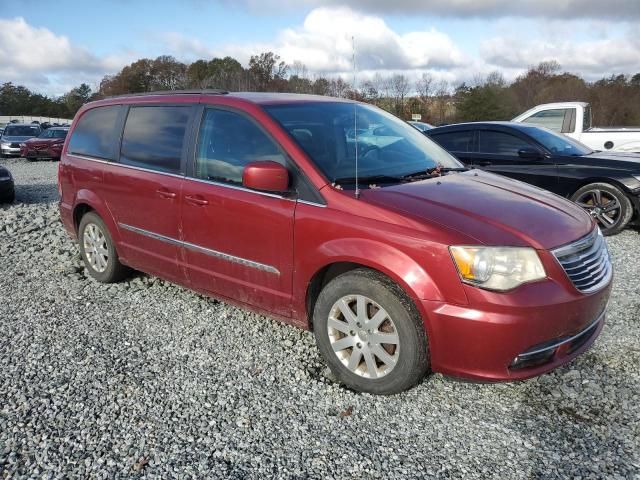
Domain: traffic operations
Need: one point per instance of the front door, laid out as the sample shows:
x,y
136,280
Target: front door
x,y
498,152
238,242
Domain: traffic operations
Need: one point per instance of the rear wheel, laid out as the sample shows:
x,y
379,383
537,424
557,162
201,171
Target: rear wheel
x,y
607,204
98,251
370,333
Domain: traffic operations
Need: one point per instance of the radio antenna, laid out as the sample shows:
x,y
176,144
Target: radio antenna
x,y
355,114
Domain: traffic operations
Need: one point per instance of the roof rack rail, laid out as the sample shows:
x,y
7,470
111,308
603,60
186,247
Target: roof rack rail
x,y
209,91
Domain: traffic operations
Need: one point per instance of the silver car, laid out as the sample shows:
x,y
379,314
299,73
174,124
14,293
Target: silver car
x,y
14,134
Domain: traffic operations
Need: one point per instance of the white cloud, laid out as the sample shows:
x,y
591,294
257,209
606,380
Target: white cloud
x,y
612,9
324,44
40,59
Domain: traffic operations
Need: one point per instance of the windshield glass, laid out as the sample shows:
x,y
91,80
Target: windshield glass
x,y
21,131
558,143
53,134
331,133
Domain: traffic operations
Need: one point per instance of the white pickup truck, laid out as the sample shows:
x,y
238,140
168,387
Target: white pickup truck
x,y
574,119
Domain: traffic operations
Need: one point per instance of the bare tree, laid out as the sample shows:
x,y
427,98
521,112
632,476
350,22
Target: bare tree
x,y
441,93
424,89
400,87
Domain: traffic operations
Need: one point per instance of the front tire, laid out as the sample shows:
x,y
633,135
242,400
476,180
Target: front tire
x,y
607,204
98,251
370,333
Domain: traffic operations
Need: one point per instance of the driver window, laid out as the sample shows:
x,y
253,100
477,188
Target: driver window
x,y
227,142
501,143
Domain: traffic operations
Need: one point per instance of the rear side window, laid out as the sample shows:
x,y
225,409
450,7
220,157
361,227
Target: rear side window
x,y
455,141
551,119
501,143
97,133
227,142
154,137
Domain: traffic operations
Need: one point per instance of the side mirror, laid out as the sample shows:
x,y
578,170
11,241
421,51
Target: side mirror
x,y
530,154
268,176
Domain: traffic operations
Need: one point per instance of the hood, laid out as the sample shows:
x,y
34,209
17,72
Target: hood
x,y
44,141
13,139
632,160
489,208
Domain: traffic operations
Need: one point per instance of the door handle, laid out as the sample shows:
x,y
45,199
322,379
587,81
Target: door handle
x,y
196,200
484,163
164,193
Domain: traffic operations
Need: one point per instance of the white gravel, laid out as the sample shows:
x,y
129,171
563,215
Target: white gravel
x,y
148,379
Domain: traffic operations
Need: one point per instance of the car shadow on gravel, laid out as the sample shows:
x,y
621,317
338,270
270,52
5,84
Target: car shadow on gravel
x,y
578,422
36,193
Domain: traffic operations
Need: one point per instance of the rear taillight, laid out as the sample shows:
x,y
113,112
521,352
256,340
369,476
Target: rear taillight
x,y
60,179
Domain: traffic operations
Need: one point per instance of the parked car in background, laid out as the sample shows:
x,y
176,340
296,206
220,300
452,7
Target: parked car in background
x,y
574,120
14,134
605,184
422,126
7,188
46,145
418,265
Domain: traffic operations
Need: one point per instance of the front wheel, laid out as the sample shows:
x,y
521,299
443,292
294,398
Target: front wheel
x,y
370,333
607,204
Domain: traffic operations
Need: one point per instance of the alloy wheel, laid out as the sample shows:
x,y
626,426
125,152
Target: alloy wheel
x,y
95,247
602,206
363,336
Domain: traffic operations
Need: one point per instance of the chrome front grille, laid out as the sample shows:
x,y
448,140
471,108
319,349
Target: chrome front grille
x,y
586,262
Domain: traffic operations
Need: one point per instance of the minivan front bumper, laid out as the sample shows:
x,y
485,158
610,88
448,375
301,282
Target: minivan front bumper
x,y
513,336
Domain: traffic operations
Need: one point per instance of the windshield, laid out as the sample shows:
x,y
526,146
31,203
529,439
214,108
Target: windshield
x,y
558,143
21,131
331,133
53,134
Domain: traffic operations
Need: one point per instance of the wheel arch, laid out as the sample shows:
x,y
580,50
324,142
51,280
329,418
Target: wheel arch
x,y
406,273
87,201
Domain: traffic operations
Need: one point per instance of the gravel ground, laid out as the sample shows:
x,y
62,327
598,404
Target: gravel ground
x,y
148,379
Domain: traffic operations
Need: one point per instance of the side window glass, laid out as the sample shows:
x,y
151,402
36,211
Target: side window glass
x,y
551,119
501,143
455,141
97,133
227,142
154,136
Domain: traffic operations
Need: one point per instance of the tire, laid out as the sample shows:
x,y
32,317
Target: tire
x,y
607,204
383,367
8,197
102,261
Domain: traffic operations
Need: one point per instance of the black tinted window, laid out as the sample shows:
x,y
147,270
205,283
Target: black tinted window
x,y
227,142
97,133
154,136
501,143
455,141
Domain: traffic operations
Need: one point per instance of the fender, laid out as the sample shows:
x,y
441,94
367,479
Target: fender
x,y
397,265
628,147
88,197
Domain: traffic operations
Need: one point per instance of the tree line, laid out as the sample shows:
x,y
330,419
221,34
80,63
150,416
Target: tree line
x,y
615,99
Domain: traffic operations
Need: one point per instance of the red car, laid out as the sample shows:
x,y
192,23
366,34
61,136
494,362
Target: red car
x,y
337,217
46,145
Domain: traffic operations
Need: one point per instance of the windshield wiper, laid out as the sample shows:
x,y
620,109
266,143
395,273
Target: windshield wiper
x,y
432,172
367,179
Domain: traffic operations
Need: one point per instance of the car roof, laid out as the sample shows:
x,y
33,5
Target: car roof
x,y
261,98
523,127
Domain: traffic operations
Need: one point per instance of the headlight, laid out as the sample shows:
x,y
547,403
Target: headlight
x,y
23,145
497,268
6,144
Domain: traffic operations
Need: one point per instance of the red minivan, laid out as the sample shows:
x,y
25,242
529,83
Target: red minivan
x,y
337,217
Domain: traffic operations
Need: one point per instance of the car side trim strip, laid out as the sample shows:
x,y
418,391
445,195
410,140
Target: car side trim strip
x,y
207,251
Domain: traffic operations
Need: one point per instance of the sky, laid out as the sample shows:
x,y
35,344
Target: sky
x,y
53,46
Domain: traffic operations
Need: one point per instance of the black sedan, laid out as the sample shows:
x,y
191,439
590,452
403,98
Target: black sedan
x,y
7,191
606,184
